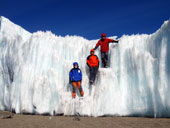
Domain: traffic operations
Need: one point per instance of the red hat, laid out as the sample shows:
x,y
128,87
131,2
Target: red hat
x,y
92,50
103,35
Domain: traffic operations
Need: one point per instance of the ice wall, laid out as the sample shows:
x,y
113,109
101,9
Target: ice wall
x,y
34,70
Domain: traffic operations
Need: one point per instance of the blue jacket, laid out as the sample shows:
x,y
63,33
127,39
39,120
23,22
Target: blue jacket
x,y
75,74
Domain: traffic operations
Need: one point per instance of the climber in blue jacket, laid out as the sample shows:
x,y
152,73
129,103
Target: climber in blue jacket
x,y
75,78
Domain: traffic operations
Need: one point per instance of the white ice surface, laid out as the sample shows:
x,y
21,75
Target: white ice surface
x,y
34,69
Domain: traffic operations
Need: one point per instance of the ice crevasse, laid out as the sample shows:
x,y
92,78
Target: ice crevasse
x,y
34,69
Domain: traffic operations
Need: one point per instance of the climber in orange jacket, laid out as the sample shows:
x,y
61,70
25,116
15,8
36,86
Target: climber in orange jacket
x,y
93,64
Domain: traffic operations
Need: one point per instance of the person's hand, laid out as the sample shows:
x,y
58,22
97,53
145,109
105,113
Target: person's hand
x,y
94,48
116,41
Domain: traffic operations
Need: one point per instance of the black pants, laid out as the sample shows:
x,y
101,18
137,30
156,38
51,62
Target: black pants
x,y
93,73
104,56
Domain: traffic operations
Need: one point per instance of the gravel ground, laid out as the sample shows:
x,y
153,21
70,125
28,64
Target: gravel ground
x,y
39,121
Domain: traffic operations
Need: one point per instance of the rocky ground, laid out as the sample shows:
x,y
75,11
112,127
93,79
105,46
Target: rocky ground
x,y
10,120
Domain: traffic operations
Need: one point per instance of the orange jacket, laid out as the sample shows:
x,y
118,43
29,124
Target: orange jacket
x,y
92,61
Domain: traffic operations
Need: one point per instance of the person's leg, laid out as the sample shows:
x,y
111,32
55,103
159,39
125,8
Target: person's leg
x,y
95,72
80,88
91,75
74,90
106,59
103,59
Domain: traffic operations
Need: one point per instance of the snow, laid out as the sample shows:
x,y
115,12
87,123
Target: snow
x,y
34,69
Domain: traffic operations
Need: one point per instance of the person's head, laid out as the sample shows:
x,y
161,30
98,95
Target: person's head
x,y
75,65
103,36
92,52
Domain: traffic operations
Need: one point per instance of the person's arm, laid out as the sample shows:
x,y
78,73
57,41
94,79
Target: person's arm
x,y
97,45
80,75
98,61
70,77
111,40
88,62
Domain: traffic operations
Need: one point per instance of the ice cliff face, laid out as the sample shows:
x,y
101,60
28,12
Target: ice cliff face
x,y
34,70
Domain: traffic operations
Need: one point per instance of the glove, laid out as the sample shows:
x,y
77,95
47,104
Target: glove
x,y
95,48
116,41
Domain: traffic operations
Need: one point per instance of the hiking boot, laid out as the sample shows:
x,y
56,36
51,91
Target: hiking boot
x,y
73,95
82,93
91,81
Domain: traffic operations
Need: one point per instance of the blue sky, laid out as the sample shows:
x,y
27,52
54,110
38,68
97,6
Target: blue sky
x,y
88,18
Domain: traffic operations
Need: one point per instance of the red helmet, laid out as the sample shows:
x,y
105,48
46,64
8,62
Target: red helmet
x,y
103,35
92,50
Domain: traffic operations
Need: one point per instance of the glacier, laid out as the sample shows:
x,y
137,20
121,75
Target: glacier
x,y
34,69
